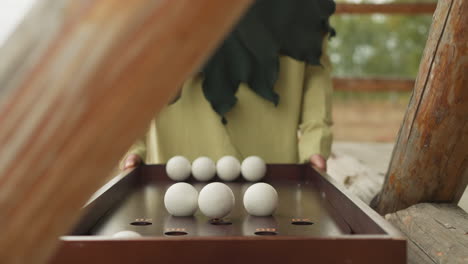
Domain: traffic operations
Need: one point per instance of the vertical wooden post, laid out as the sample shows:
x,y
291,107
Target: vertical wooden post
x,y
79,81
430,159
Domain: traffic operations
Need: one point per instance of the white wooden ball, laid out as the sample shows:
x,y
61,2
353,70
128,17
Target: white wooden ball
x,y
260,199
253,168
228,168
126,234
203,169
181,199
216,200
178,168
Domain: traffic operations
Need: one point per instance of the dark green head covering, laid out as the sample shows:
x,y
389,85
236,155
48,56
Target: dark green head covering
x,y
250,53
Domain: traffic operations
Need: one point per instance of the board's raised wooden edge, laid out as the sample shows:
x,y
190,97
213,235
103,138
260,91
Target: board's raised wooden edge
x,y
99,204
364,208
74,238
108,185
236,250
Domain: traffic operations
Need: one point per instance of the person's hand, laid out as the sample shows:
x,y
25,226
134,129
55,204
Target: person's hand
x,y
132,161
318,162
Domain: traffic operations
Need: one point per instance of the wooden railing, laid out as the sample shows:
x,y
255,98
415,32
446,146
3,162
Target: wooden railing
x,y
380,84
372,85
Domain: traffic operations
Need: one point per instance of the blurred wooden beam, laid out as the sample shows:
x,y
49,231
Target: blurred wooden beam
x,y
394,8
430,159
79,82
372,85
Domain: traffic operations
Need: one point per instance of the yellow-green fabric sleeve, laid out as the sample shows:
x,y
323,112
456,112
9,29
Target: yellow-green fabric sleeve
x,y
315,136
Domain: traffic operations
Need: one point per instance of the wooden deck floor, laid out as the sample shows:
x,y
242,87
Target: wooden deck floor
x,y
437,233
361,168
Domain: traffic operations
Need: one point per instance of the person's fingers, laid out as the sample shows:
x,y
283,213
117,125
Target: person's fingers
x,y
319,162
129,164
132,161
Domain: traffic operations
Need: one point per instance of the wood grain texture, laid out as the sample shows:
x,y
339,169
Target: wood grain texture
x,y
393,8
437,233
79,81
430,159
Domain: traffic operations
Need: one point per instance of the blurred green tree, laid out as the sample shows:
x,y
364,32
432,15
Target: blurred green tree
x,y
379,45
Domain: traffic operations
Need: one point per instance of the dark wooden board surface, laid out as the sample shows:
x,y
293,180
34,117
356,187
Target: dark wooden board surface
x,y
299,199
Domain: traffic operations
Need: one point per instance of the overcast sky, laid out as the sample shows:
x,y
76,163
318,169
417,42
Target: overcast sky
x,y
11,12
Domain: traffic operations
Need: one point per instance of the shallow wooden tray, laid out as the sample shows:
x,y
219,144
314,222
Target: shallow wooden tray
x,y
316,221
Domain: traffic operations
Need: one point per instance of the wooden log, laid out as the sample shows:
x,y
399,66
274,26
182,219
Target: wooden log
x,y
372,85
393,8
430,159
437,233
79,82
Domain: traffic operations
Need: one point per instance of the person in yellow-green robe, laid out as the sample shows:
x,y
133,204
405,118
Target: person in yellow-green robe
x,y
265,92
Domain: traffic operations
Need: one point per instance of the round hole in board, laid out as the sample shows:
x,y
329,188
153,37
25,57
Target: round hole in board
x,y
301,222
175,233
266,233
220,222
141,223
